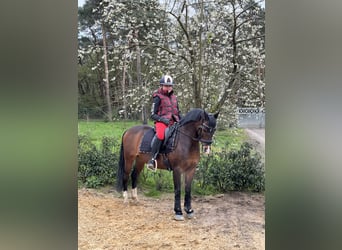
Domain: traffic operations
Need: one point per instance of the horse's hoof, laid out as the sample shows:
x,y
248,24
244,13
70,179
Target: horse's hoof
x,y
125,196
179,217
135,202
190,215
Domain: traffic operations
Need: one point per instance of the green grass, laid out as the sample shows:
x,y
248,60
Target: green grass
x,y
229,138
96,130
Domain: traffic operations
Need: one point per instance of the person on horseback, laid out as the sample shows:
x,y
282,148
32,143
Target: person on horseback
x,y
164,112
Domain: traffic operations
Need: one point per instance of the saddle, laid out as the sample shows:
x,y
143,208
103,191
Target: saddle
x,y
168,145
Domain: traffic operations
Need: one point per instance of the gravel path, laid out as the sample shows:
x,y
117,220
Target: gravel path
x,y
257,138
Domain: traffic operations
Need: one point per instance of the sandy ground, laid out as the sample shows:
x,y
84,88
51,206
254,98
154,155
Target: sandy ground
x,y
233,220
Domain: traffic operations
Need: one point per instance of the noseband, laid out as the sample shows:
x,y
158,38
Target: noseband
x,y
206,129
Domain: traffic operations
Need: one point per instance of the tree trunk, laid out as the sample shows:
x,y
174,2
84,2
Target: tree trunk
x,y
197,89
108,100
143,109
123,83
200,67
227,92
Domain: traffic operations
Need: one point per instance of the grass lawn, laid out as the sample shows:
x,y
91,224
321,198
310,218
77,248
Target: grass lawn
x,y
229,138
96,130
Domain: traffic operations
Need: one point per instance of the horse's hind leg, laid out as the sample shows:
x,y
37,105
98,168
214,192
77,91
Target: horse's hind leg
x,y
134,176
125,183
127,172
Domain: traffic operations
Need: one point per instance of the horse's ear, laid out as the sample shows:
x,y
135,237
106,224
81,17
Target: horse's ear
x,y
216,114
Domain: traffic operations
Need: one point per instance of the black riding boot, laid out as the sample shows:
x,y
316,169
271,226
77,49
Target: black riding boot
x,y
156,143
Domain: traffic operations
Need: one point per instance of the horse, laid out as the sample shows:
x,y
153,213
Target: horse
x,y
195,127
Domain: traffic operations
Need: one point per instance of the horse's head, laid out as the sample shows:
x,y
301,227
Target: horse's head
x,y
203,125
206,130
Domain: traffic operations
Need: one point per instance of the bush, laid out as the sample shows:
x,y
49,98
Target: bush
x,y
97,167
93,182
223,171
234,170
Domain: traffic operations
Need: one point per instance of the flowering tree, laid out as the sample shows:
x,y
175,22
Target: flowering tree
x,y
213,49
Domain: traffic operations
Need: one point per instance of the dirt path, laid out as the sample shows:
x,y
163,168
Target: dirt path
x,y
230,221
257,138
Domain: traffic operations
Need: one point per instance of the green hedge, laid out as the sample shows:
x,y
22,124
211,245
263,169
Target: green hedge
x,y
234,170
97,167
219,172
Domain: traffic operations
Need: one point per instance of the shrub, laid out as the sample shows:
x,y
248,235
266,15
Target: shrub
x,y
93,182
234,170
223,171
97,167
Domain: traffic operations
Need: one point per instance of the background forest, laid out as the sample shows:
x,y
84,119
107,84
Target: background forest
x,y
214,50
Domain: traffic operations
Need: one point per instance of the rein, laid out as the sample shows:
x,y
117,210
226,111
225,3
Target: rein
x,y
193,138
199,138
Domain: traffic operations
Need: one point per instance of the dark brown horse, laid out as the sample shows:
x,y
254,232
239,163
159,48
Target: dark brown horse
x,y
197,126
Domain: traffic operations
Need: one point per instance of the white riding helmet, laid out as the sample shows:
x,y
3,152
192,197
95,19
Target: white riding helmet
x,y
166,80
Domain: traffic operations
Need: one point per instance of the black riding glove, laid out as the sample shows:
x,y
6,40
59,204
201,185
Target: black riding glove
x,y
164,120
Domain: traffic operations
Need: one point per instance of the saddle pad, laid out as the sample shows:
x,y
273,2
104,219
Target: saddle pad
x,y
145,146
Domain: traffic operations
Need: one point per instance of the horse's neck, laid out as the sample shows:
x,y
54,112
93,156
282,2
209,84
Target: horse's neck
x,y
189,131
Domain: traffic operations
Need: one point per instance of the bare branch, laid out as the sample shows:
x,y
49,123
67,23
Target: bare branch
x,y
185,32
248,39
247,20
247,8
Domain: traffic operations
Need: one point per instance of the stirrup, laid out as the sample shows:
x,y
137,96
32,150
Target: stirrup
x,y
152,165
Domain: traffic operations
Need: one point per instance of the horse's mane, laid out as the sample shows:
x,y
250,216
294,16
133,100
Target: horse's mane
x,y
193,115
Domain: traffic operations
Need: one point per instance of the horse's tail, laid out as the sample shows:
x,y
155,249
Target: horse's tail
x,y
121,169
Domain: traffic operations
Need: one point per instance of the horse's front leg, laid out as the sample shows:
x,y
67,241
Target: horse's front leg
x,y
177,190
187,199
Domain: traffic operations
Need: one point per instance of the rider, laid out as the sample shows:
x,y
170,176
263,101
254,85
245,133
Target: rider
x,y
165,112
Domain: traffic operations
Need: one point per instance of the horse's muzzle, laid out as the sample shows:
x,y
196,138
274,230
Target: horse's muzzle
x,y
206,149
206,142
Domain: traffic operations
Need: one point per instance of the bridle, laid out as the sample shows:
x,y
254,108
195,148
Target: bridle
x,y
207,129
202,128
